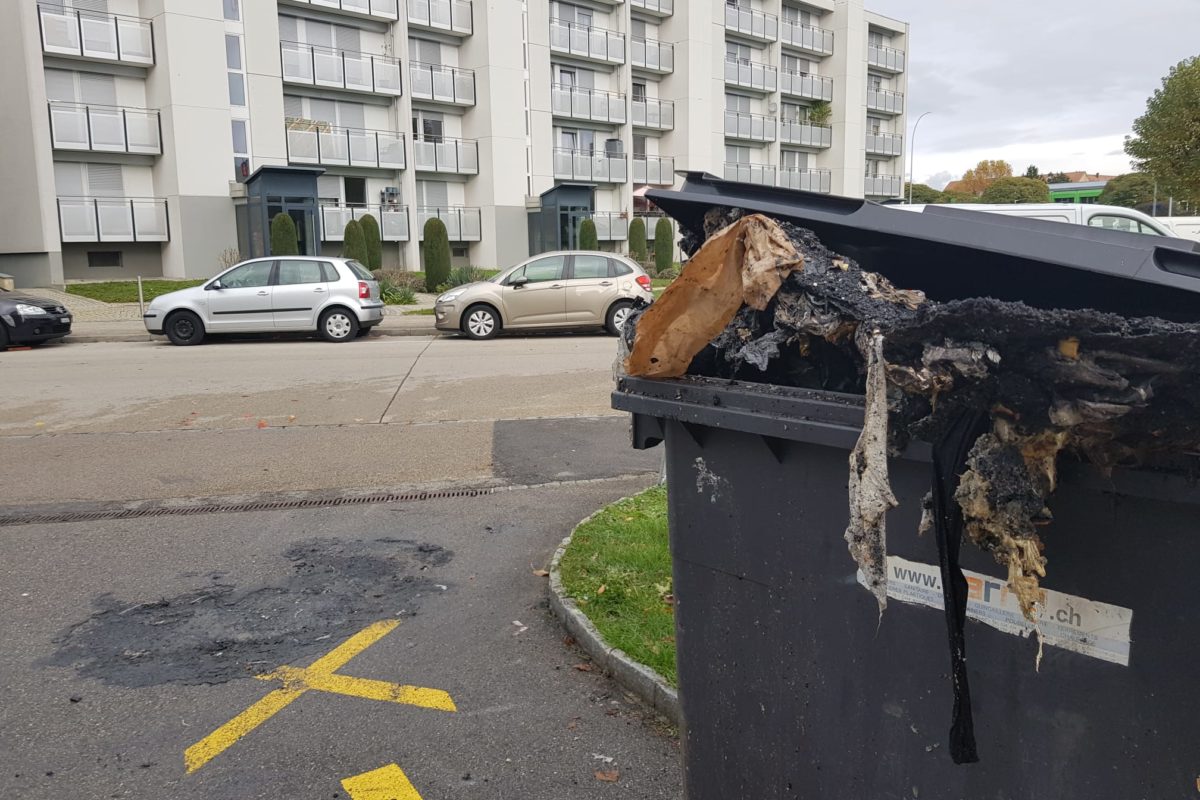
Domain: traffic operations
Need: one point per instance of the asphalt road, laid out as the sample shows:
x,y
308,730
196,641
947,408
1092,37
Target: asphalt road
x,y
133,644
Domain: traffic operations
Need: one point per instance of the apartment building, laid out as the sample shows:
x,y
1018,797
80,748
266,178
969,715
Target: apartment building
x,y
158,137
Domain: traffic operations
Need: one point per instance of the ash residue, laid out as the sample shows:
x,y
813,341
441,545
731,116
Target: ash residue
x,y
223,631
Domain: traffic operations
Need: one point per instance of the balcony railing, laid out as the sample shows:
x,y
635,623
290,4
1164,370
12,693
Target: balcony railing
x,y
584,41
805,134
751,74
887,59
652,55
95,35
748,22
611,226
750,173
659,170
339,69
377,9
105,129
313,142
653,113
113,219
810,180
592,105
442,84
463,224
661,8
589,165
882,186
808,38
806,85
885,100
392,219
744,125
885,144
449,16
455,156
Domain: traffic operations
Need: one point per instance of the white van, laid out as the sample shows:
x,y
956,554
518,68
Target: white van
x,y
1184,227
1115,218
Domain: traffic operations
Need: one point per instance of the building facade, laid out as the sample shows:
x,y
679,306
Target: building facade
x,y
154,137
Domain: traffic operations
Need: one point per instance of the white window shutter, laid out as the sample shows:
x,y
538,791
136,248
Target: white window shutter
x,y
105,180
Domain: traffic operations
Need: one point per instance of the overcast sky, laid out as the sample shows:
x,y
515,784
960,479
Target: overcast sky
x,y
1056,83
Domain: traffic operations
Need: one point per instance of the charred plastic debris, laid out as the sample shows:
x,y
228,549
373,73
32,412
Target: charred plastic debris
x,y
1002,389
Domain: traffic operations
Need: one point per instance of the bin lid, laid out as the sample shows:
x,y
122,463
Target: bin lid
x,y
951,253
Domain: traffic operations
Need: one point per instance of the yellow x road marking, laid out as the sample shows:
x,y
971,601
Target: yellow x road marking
x,y
320,676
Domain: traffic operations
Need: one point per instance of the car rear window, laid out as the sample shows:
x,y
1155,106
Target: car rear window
x,y
617,268
360,272
330,274
591,267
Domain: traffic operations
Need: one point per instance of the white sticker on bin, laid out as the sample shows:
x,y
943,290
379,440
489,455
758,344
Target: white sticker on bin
x,y
1083,626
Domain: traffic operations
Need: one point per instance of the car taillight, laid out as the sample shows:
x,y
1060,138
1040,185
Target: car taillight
x,y
364,291
643,281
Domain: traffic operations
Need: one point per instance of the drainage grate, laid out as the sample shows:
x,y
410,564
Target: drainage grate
x,y
236,508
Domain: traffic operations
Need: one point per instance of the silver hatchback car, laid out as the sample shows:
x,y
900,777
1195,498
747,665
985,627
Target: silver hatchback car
x,y
559,290
336,297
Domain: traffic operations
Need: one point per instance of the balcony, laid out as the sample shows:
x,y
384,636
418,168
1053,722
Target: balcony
x,y
652,55
96,36
885,101
806,85
750,173
313,142
808,180
658,8
805,134
105,129
610,226
339,69
658,170
448,156
882,186
650,112
885,59
807,38
446,16
752,24
392,219
591,105
442,84
371,9
885,144
751,75
590,166
462,223
583,41
752,127
113,219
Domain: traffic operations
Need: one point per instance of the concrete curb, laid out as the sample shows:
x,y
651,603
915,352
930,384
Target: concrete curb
x,y
91,338
633,676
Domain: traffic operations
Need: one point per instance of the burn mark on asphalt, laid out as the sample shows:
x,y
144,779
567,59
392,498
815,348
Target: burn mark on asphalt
x,y
224,631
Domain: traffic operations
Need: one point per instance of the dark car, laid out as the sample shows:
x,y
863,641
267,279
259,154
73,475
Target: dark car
x,y
25,319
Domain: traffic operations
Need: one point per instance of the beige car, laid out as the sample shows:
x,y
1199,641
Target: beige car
x,y
559,290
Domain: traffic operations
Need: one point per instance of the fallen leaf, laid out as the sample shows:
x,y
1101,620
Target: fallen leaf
x,y
262,423
608,775
584,667
291,417
541,573
601,589
569,640
1069,348
39,424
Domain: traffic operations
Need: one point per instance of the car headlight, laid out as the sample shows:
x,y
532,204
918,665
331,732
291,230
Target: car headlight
x,y
26,310
449,297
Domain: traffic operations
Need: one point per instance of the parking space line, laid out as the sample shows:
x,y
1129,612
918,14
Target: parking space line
x,y
385,783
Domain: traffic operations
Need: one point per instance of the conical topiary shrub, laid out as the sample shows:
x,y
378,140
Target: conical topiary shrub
x,y
284,241
370,229
436,252
637,240
353,244
587,236
662,245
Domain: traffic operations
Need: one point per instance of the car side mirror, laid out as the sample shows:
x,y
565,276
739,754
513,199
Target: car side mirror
x,y
214,285
518,282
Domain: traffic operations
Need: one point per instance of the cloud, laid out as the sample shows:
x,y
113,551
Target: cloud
x,y
938,180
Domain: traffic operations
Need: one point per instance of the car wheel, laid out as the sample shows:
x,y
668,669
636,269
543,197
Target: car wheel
x,y
363,332
184,328
481,322
339,325
618,315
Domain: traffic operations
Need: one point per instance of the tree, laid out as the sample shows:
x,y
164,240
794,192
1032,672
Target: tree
x,y
587,236
1131,190
662,245
284,241
1032,172
374,242
957,198
820,112
436,250
637,240
1016,190
974,181
354,244
1058,177
922,193
1166,140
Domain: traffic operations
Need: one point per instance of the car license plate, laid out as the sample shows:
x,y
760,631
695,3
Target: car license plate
x,y
65,320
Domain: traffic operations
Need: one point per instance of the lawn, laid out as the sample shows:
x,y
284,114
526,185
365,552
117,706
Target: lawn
x,y
419,312
127,291
618,570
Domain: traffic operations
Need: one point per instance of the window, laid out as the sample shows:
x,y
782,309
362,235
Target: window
x,y
639,92
637,29
104,258
248,276
459,251
565,12
360,272
793,160
737,52
874,82
737,102
237,89
233,11
737,155
619,269
292,272
544,269
356,191
1114,222
796,16
796,66
875,124
233,51
237,79
328,273
794,113
241,150
639,145
425,51
590,267
427,126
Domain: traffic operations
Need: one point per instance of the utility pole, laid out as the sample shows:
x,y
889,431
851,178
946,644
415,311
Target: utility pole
x,y
912,146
